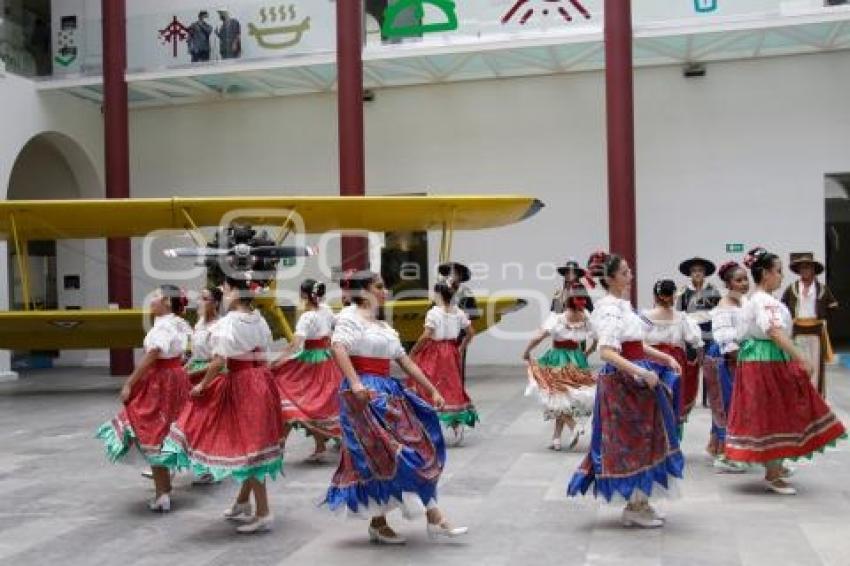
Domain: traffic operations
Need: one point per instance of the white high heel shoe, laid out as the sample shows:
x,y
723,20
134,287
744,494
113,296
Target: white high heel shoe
x,y
161,504
380,536
258,525
238,511
445,530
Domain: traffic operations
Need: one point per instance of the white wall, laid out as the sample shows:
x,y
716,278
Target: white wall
x,y
75,128
735,157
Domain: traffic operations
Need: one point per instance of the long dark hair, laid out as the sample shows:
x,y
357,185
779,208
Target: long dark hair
x,y
313,290
177,300
445,291
759,261
610,267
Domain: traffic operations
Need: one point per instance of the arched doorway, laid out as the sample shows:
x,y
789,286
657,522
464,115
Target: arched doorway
x,y
61,272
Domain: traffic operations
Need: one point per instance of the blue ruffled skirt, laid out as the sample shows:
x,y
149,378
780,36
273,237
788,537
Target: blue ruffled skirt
x,y
635,441
719,382
393,451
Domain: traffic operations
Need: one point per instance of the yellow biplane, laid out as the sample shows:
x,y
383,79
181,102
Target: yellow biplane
x,y
25,221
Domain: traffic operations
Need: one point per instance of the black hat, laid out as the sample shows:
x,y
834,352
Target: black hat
x,y
571,265
463,273
798,259
686,266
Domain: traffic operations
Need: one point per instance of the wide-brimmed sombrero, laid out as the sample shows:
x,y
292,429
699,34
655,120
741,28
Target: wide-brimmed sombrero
x,y
571,265
799,259
463,273
686,266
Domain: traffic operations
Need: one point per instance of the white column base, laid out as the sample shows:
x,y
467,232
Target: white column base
x,y
6,376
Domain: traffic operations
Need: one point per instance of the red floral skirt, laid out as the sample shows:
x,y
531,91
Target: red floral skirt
x,y
440,361
309,395
155,402
776,413
232,429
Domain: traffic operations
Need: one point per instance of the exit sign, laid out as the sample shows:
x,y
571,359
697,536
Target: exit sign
x,y
734,248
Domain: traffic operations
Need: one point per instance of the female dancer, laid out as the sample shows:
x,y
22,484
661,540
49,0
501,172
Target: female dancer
x,y
438,355
561,377
721,359
231,427
671,332
154,394
209,307
309,382
392,445
776,412
635,444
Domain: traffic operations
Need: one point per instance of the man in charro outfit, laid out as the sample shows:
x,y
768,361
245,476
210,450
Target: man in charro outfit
x,y
697,300
811,303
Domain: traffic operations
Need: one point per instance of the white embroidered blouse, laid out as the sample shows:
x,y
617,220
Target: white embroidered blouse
x,y
367,338
679,331
201,344
315,324
725,327
614,321
560,329
170,335
761,314
446,325
239,334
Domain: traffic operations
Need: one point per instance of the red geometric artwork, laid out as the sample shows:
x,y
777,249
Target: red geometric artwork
x,y
526,9
174,33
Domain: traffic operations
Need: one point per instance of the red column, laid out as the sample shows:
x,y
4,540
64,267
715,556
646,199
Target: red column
x,y
117,160
352,157
619,97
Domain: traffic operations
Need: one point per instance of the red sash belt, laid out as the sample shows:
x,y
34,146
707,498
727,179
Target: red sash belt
x,y
169,363
633,351
239,365
372,366
566,344
318,344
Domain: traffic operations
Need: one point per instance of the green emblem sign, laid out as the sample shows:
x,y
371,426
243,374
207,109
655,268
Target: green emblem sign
x,y
392,28
734,248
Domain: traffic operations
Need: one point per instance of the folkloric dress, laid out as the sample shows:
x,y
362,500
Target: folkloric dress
x,y
635,443
308,382
156,398
776,412
393,450
561,377
440,360
234,427
719,367
698,306
673,337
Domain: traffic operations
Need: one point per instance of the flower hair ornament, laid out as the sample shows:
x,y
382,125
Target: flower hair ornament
x,y
184,298
753,256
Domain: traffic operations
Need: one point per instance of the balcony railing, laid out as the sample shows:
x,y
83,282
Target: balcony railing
x,y
166,35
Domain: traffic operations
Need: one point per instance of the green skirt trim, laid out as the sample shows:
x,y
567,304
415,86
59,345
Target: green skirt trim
x,y
753,350
821,450
175,458
117,448
314,356
559,357
196,366
467,417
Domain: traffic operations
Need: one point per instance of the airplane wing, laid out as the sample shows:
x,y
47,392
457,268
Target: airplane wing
x,y
102,329
120,218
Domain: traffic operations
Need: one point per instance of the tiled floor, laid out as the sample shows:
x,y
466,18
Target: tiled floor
x,y
62,503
